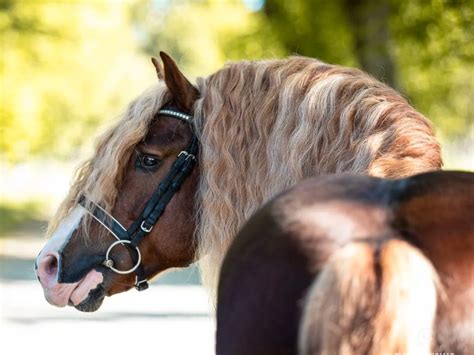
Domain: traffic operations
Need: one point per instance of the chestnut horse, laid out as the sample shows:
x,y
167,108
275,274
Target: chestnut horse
x,y
360,265
174,180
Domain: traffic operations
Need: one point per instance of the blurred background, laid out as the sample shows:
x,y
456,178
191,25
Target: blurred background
x,y
68,68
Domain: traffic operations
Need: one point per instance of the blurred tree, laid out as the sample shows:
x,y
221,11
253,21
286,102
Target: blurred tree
x,y
410,45
370,28
202,35
348,32
315,28
65,68
434,51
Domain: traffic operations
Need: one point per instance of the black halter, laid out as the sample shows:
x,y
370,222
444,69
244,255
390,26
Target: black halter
x,y
154,208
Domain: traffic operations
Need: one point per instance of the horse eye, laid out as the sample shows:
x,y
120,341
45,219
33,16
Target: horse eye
x,y
147,161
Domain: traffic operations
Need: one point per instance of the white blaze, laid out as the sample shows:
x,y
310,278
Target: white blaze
x,y
60,294
63,233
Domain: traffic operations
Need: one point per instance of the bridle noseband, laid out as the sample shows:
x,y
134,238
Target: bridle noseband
x,y
154,208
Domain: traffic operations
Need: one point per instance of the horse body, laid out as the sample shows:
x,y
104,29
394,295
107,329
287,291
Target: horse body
x,y
370,248
262,127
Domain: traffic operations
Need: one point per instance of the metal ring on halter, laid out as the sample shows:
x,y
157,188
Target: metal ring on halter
x,y
110,264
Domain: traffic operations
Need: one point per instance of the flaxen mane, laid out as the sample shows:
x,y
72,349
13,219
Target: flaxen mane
x,y
267,125
263,127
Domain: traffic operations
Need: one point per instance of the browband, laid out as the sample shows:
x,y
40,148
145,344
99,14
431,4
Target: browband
x,y
176,114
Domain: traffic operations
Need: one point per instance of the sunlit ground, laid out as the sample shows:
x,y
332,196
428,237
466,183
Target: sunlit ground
x,y
164,320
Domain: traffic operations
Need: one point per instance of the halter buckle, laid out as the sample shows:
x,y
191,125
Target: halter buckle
x,y
141,285
145,228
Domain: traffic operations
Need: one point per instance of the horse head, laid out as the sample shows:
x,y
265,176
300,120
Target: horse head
x,y
104,245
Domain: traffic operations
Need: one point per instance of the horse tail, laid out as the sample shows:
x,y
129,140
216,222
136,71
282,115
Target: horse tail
x,y
371,299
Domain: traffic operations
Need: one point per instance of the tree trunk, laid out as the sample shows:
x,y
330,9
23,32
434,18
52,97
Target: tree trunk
x,y
370,23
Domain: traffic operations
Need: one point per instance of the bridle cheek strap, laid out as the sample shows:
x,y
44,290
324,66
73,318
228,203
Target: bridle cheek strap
x,y
154,208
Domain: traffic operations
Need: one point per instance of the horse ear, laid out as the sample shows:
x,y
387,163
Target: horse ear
x,y
184,93
158,68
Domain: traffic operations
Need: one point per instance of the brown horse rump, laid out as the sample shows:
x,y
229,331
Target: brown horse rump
x,y
390,263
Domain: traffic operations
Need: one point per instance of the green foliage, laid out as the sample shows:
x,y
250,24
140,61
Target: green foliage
x,y
200,35
68,66
65,68
431,43
435,53
20,216
316,29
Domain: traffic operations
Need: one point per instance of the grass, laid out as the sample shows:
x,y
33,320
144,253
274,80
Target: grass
x,y
21,218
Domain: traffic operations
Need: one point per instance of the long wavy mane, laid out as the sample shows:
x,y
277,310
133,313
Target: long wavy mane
x,y
263,127
267,125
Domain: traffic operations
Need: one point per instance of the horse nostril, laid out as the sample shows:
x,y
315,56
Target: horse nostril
x,y
51,265
48,268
